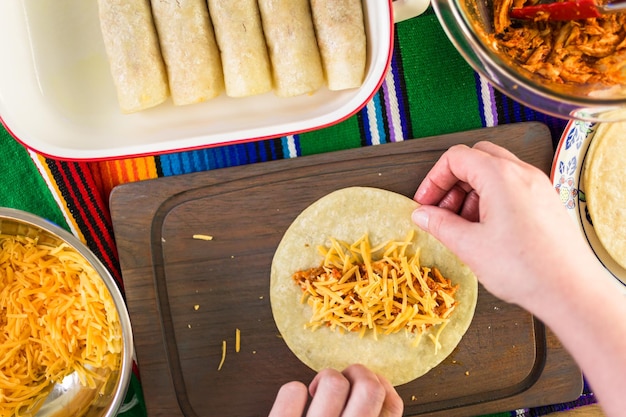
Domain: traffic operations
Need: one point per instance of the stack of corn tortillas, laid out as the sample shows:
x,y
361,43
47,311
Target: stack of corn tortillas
x,y
604,177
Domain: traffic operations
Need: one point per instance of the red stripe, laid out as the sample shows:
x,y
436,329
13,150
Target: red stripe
x,y
99,218
90,213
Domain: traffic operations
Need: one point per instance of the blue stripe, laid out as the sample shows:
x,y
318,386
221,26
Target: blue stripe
x,y
481,102
287,151
366,126
285,144
221,157
262,151
379,117
276,154
376,102
510,111
296,140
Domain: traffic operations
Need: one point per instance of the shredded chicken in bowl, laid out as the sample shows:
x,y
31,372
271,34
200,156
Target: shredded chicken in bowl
x,y
589,51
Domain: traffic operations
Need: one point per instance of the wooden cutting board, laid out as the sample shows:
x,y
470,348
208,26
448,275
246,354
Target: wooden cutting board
x,y
188,296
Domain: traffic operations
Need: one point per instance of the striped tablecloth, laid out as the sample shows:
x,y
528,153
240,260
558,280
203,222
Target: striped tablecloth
x,y
430,90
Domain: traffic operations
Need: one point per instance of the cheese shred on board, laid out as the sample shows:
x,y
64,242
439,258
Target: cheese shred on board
x,y
381,290
56,318
219,367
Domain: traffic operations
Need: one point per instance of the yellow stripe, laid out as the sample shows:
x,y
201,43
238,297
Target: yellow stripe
x,y
47,176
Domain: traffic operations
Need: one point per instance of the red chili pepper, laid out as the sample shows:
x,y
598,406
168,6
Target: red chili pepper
x,y
565,10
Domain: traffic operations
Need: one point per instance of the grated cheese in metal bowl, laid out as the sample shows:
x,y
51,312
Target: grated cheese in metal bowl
x,y
56,318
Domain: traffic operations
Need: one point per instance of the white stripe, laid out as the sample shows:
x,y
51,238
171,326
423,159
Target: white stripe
x,y
485,92
292,151
396,122
53,191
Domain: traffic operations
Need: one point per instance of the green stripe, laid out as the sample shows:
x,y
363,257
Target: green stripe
x,y
448,84
22,187
344,135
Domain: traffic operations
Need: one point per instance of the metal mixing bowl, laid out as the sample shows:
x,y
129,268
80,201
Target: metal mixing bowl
x,y
67,397
468,23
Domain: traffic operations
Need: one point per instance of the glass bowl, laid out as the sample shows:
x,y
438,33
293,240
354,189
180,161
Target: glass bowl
x,y
469,23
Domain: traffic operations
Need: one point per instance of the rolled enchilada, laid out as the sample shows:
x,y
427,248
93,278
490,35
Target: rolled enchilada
x,y
239,35
132,46
342,42
189,49
290,37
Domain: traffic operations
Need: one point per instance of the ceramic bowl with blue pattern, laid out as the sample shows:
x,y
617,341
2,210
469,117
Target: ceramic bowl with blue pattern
x,y
566,175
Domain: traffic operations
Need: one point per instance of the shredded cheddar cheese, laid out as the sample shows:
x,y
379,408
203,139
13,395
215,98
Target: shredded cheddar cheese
x,y
381,290
56,318
223,359
202,237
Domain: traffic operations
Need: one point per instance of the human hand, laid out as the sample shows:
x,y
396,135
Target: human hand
x,y
355,392
502,217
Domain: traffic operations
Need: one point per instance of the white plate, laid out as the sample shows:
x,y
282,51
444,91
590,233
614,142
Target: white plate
x,y
566,176
57,95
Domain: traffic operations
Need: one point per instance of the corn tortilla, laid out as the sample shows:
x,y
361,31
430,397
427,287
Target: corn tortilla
x,y
347,214
605,188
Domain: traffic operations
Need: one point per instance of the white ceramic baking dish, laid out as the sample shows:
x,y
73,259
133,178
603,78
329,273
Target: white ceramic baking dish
x,y
57,95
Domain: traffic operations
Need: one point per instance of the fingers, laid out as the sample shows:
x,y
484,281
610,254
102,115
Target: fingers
x,y
495,150
367,394
470,209
450,184
330,390
459,166
448,227
393,406
440,180
355,392
290,400
453,200
462,198
460,169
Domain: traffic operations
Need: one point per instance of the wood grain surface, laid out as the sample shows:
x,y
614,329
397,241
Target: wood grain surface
x,y
592,410
188,296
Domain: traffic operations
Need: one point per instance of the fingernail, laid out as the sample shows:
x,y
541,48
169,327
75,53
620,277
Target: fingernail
x,y
420,217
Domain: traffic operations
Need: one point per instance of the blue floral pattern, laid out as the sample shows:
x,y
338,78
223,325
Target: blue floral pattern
x,y
567,165
577,134
566,179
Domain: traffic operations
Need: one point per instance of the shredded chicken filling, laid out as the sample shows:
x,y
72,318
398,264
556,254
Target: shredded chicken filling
x,y
587,51
352,292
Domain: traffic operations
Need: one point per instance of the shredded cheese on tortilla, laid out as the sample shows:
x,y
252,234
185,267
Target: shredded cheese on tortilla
x,y
56,317
381,290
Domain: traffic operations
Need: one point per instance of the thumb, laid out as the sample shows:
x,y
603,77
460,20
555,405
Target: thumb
x,y
446,226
